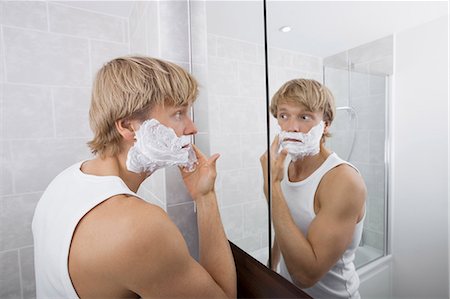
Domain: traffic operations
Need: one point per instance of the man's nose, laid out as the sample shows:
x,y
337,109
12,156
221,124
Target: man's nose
x,y
293,126
191,129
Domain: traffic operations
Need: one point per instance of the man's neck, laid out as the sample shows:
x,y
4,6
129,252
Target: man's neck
x,y
114,166
303,168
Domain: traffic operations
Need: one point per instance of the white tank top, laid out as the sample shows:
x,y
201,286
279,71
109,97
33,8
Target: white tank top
x,y
341,281
70,196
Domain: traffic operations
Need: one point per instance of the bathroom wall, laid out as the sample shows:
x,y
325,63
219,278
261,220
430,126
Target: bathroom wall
x,y
420,200
236,96
48,55
285,65
237,124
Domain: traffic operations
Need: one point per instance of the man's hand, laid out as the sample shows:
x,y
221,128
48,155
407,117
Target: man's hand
x,y
200,182
276,163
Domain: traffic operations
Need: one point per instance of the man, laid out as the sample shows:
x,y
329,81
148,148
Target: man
x,y
93,236
318,199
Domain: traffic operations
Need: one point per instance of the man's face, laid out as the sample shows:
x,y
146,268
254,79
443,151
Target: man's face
x,y
293,117
175,117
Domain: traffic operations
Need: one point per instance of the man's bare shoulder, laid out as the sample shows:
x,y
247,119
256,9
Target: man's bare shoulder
x,y
136,219
123,239
343,187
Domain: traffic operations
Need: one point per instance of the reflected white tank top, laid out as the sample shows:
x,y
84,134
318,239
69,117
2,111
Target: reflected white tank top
x,y
341,281
70,196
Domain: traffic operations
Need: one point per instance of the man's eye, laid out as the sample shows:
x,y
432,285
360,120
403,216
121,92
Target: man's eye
x,y
282,116
178,114
305,117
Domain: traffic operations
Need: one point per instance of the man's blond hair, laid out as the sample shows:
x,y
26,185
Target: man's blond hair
x,y
128,88
309,93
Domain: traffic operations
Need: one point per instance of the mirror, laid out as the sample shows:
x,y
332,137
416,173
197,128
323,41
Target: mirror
x,y
348,47
231,113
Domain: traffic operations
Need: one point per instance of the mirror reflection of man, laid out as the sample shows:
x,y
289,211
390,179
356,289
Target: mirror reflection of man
x,y
94,236
318,199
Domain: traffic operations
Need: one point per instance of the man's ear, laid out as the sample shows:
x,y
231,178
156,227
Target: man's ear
x,y
327,126
125,129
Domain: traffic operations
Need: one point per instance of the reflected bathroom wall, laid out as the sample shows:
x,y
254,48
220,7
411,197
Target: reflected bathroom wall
x,y
359,81
231,119
285,65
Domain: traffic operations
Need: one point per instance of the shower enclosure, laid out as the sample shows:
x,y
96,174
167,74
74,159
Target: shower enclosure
x,y
359,80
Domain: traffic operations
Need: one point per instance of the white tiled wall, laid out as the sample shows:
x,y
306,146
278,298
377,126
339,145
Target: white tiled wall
x,y
48,55
237,128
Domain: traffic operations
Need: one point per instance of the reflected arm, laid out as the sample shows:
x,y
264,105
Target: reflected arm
x,y
275,254
341,195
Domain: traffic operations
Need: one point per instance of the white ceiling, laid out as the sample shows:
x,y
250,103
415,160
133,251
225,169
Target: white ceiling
x,y
319,28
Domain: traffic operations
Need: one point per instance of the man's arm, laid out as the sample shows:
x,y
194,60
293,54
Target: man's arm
x,y
342,195
159,263
215,251
275,254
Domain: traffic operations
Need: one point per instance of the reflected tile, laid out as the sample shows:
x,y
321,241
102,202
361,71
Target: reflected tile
x,y
252,80
377,85
255,217
377,141
224,77
359,85
361,148
233,221
229,148
250,243
253,146
306,63
280,57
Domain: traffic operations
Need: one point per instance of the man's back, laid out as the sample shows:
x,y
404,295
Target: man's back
x,y
95,238
70,196
108,243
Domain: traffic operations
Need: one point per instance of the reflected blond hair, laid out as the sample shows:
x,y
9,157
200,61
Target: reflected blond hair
x,y
128,88
308,93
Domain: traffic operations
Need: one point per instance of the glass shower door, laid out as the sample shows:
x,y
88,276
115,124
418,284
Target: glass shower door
x,y
359,136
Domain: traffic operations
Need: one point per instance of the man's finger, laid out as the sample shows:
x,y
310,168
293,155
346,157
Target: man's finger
x,y
198,153
213,159
282,156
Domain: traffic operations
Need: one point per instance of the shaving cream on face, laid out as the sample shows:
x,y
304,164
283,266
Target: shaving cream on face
x,y
300,145
157,146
